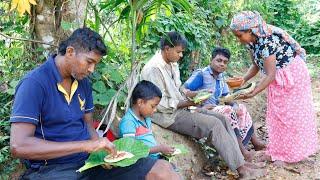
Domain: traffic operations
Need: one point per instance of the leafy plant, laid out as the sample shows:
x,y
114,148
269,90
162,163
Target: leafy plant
x,y
132,31
22,5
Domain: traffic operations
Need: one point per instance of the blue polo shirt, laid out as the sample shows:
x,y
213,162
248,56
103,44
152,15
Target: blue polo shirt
x,y
204,79
42,101
131,125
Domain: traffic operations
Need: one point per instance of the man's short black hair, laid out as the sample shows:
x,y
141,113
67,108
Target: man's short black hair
x,y
145,90
222,51
84,40
172,39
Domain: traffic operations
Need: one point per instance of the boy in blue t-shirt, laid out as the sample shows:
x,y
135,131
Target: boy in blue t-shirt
x,y
137,122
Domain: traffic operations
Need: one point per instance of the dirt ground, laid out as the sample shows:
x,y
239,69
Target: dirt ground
x,y
309,169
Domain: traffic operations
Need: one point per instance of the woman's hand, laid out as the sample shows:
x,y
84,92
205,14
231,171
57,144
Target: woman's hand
x,y
247,95
243,82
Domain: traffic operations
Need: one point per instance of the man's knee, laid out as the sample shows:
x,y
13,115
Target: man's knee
x,y
221,117
162,170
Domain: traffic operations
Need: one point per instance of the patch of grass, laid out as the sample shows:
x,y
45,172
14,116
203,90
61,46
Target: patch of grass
x,y
313,64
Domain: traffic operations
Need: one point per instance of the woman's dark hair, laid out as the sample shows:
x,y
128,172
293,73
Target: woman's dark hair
x,y
145,90
84,40
172,39
222,51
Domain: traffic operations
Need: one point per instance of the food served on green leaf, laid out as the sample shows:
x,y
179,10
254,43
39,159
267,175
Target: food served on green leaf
x,y
179,149
201,96
137,148
121,155
236,93
176,152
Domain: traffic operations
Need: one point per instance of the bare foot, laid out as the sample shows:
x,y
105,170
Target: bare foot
x,y
261,156
257,165
249,155
259,145
250,173
280,164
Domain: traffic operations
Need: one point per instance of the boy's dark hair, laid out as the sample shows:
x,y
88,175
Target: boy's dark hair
x,y
145,90
84,40
172,39
222,51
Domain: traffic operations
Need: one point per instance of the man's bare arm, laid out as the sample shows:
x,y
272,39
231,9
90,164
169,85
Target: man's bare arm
x,y
23,144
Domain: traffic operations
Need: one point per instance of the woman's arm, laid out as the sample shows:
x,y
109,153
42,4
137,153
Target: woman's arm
x,y
253,70
270,69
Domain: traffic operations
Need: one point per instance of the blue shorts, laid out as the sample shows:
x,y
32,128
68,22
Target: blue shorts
x,y
136,171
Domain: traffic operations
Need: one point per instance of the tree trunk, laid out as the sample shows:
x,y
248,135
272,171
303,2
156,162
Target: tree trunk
x,y
54,20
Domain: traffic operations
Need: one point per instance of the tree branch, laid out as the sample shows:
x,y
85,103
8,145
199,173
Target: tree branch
x,y
104,26
27,40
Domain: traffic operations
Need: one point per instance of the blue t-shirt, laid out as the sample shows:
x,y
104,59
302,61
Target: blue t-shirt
x,y
131,125
204,79
39,100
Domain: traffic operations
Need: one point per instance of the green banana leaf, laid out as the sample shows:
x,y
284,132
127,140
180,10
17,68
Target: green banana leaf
x,y
129,144
201,96
182,148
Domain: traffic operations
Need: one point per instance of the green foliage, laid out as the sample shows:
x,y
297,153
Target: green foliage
x,y
15,61
288,15
7,163
133,31
308,35
106,80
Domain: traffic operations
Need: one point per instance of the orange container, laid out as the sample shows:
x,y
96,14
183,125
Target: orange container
x,y
234,82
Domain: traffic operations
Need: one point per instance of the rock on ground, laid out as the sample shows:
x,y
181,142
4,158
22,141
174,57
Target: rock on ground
x,y
189,165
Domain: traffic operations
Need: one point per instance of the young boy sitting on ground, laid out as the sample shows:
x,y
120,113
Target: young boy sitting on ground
x,y
137,122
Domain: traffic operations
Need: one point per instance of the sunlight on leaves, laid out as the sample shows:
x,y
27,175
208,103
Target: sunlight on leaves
x,y
22,6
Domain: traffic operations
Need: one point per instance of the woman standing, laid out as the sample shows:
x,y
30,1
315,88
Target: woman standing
x,y
290,113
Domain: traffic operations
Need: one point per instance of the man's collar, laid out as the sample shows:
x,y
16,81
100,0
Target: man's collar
x,y
162,62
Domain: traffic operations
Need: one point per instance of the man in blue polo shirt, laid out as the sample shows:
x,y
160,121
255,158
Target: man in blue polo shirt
x,y
51,121
212,78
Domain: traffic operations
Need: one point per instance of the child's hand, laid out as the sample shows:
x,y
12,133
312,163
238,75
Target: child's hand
x,y
165,149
